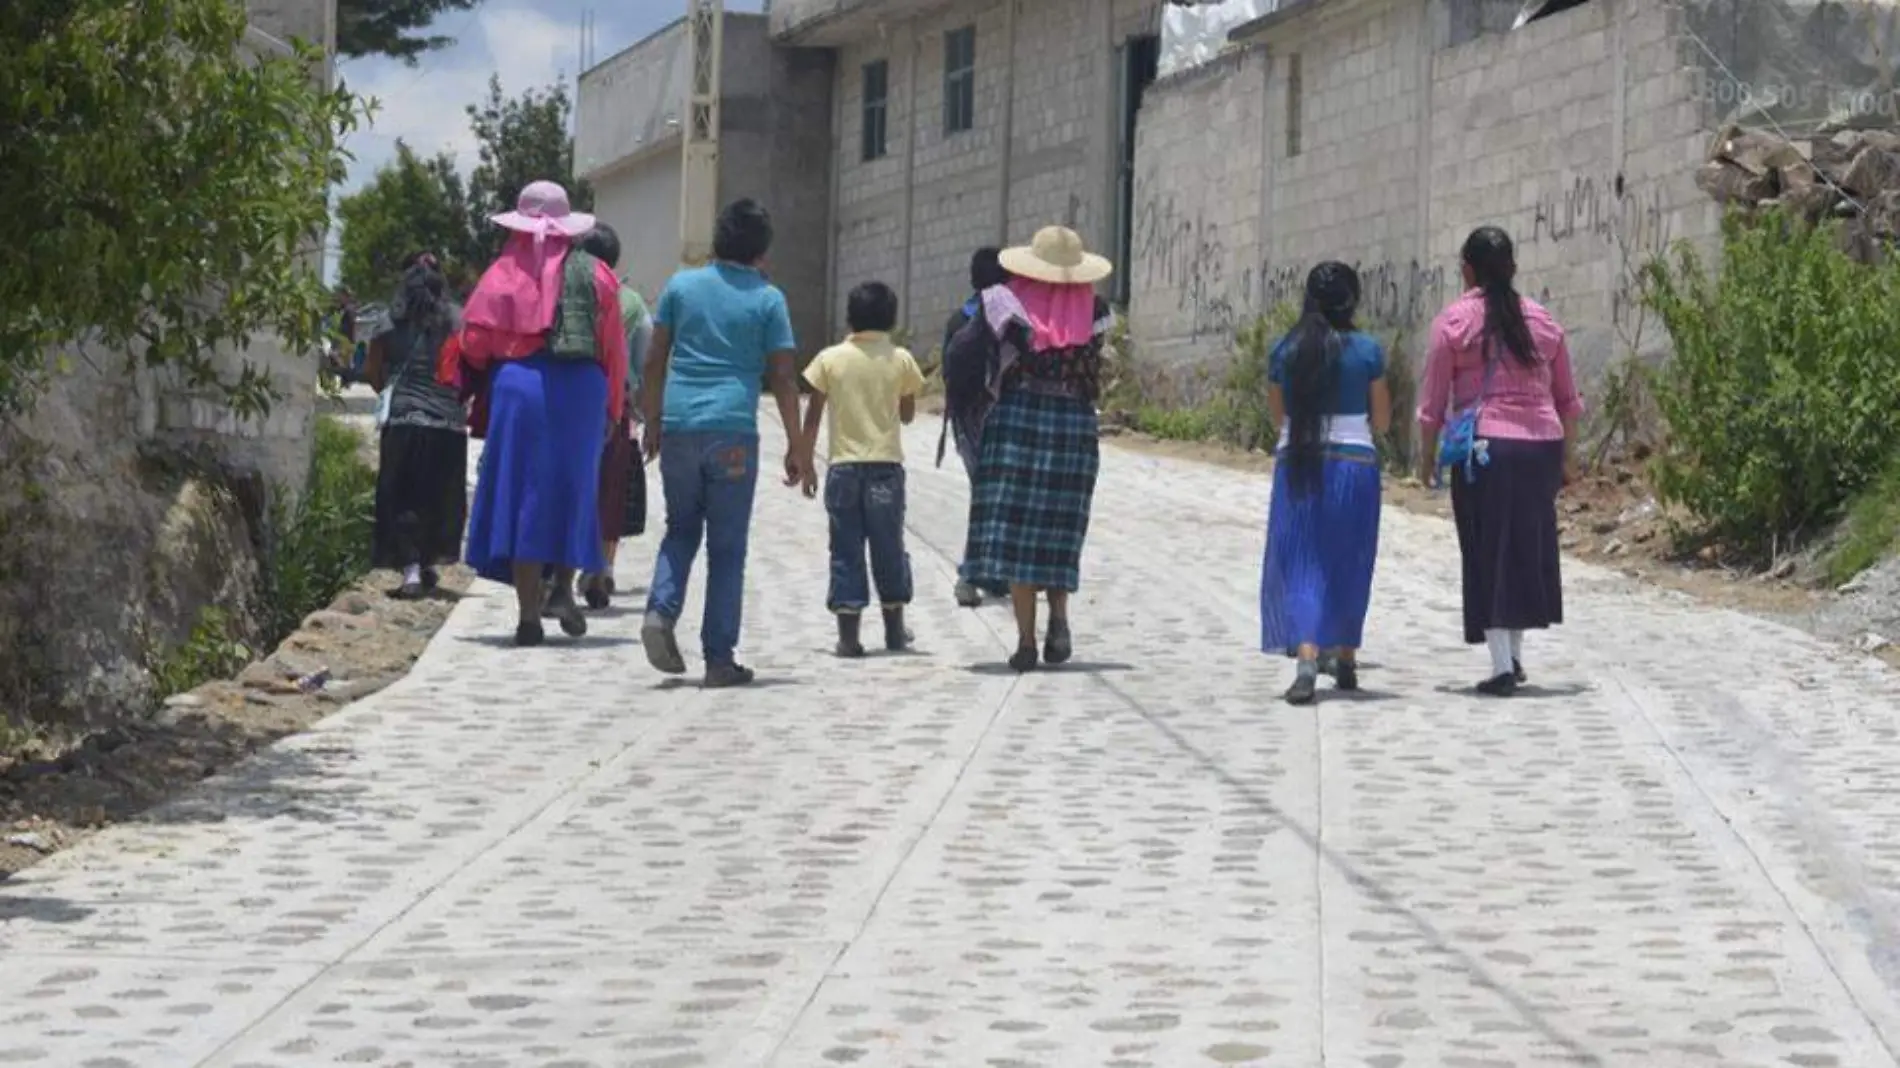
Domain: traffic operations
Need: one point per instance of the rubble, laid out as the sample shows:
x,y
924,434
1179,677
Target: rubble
x,y
1852,175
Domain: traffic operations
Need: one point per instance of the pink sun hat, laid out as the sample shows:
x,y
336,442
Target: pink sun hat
x,y
542,209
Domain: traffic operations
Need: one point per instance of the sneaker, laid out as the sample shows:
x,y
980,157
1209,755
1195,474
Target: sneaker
x,y
662,646
969,596
849,646
726,676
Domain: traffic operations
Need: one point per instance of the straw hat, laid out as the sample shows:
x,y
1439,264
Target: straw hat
x,y
543,209
1056,255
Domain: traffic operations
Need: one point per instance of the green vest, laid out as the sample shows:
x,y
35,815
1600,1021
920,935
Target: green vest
x,y
572,336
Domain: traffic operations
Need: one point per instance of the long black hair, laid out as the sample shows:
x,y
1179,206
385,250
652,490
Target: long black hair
x,y
1493,262
1312,367
422,297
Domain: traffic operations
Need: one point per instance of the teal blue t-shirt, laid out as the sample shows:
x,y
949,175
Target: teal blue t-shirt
x,y
724,320
1361,363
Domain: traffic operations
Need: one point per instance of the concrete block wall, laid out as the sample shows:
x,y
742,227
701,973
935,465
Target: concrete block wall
x,y
641,201
913,217
1578,133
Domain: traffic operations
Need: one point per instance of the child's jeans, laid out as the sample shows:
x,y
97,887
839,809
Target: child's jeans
x,y
866,503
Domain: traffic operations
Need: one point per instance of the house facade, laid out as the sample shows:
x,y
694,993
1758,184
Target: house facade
x,y
774,136
959,125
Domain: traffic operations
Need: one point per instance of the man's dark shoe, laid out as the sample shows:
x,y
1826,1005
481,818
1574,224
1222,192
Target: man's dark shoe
x,y
849,645
726,676
1501,686
661,645
897,637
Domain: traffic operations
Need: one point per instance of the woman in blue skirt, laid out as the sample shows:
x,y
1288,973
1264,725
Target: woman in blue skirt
x,y
1328,394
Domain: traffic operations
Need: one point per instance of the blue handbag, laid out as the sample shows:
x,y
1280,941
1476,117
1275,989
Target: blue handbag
x,y
1460,445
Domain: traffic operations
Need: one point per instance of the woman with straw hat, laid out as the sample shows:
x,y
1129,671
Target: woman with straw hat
x,y
1036,466
544,326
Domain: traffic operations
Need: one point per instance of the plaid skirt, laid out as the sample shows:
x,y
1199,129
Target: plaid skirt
x,y
1035,481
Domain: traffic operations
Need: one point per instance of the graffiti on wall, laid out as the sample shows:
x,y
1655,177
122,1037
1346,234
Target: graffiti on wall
x,y
1632,224
1220,287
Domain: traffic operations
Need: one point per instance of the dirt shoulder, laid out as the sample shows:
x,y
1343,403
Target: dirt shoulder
x,y
363,642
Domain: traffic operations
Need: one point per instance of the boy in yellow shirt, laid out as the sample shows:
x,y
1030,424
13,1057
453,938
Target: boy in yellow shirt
x,y
871,386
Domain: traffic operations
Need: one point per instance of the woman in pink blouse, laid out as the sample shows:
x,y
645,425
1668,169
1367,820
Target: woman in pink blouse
x,y
1504,353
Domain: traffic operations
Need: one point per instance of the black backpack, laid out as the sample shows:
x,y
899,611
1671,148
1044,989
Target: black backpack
x,y
969,359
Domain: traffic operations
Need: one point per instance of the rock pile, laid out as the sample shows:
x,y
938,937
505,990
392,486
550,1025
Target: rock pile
x,y
1852,175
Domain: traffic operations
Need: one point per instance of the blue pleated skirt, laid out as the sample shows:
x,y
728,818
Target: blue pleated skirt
x,y
537,493
1316,582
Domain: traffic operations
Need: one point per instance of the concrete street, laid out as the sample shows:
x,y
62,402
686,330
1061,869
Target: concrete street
x,y
1682,847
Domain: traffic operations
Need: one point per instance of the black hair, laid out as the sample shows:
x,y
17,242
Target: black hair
x,y
1312,368
1493,262
603,244
421,299
743,233
986,269
871,307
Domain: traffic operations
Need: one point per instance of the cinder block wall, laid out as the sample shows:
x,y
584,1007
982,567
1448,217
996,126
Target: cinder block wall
x,y
1579,134
912,217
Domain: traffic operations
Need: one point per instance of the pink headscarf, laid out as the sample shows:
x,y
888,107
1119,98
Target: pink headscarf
x,y
518,292
1060,316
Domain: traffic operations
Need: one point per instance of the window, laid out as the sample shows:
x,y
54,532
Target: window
x,y
877,98
1295,105
959,80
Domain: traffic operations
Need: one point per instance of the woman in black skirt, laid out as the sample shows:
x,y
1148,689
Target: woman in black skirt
x,y
1503,355
422,473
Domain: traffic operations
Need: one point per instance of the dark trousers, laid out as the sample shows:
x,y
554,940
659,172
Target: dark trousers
x,y
866,505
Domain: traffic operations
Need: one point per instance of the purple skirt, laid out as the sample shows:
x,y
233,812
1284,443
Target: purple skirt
x,y
1507,538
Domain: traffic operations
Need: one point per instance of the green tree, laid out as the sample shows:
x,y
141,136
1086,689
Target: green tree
x,y
169,183
412,204
391,27
520,140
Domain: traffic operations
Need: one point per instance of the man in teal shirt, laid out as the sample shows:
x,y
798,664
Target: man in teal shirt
x,y
719,332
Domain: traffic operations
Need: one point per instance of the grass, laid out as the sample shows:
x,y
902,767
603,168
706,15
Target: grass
x,y
1871,530
321,543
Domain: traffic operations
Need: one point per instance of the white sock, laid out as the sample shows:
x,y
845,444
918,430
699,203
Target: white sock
x,y
1499,642
1517,645
412,573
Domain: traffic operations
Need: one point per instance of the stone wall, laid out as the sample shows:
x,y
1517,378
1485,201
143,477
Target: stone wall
x,y
1579,133
130,503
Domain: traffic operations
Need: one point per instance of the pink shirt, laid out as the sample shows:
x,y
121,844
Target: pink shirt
x,y
1523,403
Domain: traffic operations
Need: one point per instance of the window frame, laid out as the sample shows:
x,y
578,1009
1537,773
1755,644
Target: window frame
x,y
959,80
1295,104
874,140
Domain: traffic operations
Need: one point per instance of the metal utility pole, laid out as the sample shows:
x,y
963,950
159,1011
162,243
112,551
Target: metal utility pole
x,y
699,134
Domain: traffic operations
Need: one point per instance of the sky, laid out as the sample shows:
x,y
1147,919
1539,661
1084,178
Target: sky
x,y
530,43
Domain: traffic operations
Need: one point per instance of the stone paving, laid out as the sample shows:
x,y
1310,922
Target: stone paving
x,y
1679,848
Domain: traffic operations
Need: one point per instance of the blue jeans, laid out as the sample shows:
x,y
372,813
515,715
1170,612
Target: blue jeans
x,y
708,480
866,503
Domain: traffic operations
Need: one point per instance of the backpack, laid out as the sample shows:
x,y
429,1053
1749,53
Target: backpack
x,y
969,357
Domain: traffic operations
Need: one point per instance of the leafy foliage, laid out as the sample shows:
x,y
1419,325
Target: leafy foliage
x,y
415,204
1781,394
390,27
321,543
410,205
211,652
171,186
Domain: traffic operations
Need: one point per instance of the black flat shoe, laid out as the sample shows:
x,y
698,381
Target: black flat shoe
x,y
596,592
1517,672
1501,686
568,613
1058,646
1346,676
1304,691
529,634
431,578
1024,659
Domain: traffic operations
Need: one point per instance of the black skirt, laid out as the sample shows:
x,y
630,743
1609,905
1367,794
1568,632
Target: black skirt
x,y
421,497
1507,537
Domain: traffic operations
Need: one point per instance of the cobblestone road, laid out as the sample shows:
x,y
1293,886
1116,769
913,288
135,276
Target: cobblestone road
x,y
1682,848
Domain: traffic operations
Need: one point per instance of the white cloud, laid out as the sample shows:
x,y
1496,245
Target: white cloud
x,y
423,105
